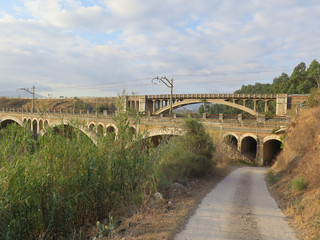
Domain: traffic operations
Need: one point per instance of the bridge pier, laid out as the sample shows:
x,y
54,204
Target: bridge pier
x,y
281,104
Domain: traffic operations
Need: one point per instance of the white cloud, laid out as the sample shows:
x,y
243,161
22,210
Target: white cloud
x,y
58,43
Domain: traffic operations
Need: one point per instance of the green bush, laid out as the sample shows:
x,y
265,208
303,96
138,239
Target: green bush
x,y
186,156
274,178
298,184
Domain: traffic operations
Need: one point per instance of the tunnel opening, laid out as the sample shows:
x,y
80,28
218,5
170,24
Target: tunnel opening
x,y
271,149
7,122
231,141
35,127
158,139
29,124
65,130
40,125
249,147
100,130
110,130
91,127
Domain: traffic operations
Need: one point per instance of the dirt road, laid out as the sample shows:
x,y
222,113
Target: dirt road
x,y
240,207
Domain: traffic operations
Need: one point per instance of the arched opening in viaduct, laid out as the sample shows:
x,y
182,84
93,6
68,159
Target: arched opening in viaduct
x,y
157,139
100,130
271,149
249,147
231,141
110,129
69,131
40,124
7,122
35,126
46,124
133,131
29,124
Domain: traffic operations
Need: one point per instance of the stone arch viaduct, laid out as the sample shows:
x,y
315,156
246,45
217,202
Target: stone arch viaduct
x,y
252,136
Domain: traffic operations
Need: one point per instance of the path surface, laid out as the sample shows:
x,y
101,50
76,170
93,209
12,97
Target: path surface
x,y
240,207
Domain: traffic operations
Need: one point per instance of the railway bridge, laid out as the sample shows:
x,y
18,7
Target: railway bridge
x,y
254,136
159,104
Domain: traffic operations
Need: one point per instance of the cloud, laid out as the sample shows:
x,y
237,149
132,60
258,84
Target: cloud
x,y
110,44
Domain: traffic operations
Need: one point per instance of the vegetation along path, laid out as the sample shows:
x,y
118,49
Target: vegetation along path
x,y
240,207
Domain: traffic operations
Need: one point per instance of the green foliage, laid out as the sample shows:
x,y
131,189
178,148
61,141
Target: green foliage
x,y
301,81
298,184
314,98
62,181
186,156
274,178
105,230
257,88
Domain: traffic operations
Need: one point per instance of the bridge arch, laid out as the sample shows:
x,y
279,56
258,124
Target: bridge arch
x,y
89,134
100,129
91,126
9,120
217,101
165,131
249,144
34,125
231,139
41,124
156,135
111,128
271,148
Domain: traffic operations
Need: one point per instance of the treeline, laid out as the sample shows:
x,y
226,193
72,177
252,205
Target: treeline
x,y
301,81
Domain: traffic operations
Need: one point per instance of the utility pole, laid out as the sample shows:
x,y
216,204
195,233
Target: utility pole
x,y
169,84
32,91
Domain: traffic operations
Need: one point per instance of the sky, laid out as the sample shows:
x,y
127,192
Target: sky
x,y
100,47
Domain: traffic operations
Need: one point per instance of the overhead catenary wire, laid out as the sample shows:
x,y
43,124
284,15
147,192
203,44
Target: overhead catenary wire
x,y
121,84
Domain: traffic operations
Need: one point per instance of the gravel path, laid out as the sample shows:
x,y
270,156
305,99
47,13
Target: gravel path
x,y
240,207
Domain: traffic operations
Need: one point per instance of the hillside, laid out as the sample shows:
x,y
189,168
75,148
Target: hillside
x,y
295,178
92,104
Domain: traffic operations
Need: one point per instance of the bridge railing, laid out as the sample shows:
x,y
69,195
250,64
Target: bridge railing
x,y
213,96
214,117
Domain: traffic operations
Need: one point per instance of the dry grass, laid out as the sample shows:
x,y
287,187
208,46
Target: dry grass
x,y
64,103
301,158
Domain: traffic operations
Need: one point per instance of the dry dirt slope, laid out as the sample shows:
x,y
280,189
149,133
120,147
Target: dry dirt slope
x,y
296,174
64,103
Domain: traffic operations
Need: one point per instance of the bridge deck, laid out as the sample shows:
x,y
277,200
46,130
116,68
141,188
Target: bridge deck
x,y
213,96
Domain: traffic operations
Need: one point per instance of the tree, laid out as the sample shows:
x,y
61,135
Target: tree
x,y
280,84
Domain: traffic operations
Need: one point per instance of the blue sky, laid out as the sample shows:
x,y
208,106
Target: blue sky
x,y
98,47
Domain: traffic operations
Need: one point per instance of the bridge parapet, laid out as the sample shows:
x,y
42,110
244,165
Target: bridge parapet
x,y
212,96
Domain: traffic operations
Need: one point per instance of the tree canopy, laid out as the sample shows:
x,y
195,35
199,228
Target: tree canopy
x,y
301,81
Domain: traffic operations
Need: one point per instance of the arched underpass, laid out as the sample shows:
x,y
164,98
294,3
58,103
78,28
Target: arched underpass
x,y
249,147
231,141
156,140
271,149
7,122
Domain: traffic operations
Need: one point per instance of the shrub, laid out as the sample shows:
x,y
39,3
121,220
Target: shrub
x,y
274,178
298,184
186,156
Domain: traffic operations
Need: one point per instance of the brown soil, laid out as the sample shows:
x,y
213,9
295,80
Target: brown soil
x,y
163,218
